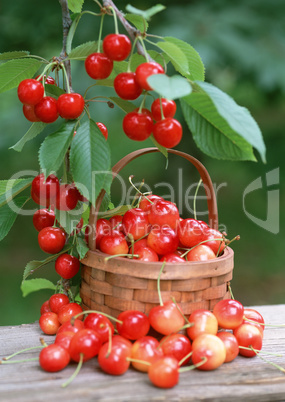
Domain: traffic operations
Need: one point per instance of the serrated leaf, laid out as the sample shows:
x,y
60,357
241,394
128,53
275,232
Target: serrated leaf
x,y
14,71
54,148
162,149
81,247
34,131
9,213
69,219
126,106
195,65
176,56
33,285
82,51
13,55
11,188
138,21
147,14
211,125
75,5
90,161
169,87
53,90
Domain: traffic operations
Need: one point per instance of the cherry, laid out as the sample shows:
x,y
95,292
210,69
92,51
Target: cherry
x,y
103,228
45,308
64,338
164,372
190,232
48,79
57,300
116,223
49,323
101,324
231,345
114,244
166,319
177,346
67,197
253,315
204,322
134,324
44,190
43,218
162,240
201,253
117,46
145,253
164,212
75,326
67,266
135,223
86,342
114,360
172,257
51,239
248,336
167,132
144,70
216,245
103,129
138,126
229,313
98,66
30,91
46,110
29,113
126,86
147,201
67,311
70,106
145,349
168,108
211,347
53,358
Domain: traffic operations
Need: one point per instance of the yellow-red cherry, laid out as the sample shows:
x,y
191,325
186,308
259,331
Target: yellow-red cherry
x,y
167,318
177,346
210,347
164,372
204,322
231,345
229,313
201,253
49,323
145,349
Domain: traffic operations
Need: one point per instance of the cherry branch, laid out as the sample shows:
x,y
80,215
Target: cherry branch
x,y
66,24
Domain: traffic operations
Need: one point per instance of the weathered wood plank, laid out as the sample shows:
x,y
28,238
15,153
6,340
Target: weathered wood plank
x,y
241,380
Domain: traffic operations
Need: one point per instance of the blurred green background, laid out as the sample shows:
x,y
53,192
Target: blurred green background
x,y
243,49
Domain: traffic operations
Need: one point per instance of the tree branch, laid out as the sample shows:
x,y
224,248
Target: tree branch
x,y
66,24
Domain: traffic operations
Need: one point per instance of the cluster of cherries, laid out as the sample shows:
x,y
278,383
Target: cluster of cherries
x,y
154,231
138,125
208,338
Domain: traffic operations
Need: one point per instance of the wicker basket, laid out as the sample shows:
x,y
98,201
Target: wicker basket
x,y
124,284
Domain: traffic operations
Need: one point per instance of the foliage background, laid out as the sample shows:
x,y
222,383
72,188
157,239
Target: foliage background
x,y
242,47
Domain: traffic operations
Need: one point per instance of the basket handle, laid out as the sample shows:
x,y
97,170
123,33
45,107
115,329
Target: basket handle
x,y
208,185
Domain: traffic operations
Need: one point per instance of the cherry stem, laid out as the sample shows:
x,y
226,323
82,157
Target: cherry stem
x,y
68,90
132,52
158,284
185,358
22,351
121,255
115,20
32,359
230,290
144,48
130,359
188,325
161,108
138,193
195,197
196,245
110,343
78,368
142,103
100,32
267,361
172,333
97,312
264,324
183,369
261,351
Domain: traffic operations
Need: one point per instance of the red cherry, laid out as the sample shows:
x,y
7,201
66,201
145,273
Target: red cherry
x,y
164,212
229,313
172,257
177,346
30,91
70,106
103,228
48,79
137,126
63,339
253,315
145,253
168,108
201,253
67,311
29,113
49,323
231,345
98,66
135,223
51,240
53,358
126,86
114,244
114,360
248,336
103,129
44,191
145,349
211,347
46,110
116,223
167,132
67,266
86,342
67,197
43,218
147,201
117,46
45,308
164,373
166,319
144,70
216,245
190,232
204,322
58,300
101,324
162,240
135,324
75,326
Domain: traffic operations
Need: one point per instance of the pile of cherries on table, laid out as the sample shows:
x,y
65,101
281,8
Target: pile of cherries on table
x,y
207,338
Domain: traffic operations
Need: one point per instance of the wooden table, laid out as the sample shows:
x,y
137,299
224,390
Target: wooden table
x,y
243,379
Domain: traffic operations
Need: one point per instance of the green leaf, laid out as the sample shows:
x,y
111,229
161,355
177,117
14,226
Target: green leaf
x,y
121,210
69,219
14,71
34,130
33,285
138,21
82,51
212,128
8,215
195,65
169,87
54,148
71,32
146,14
75,5
126,106
162,149
13,55
90,161
53,90
11,188
81,247
176,56
85,215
